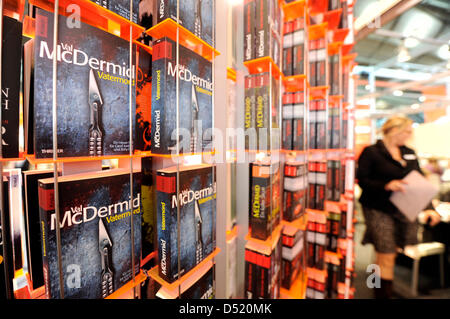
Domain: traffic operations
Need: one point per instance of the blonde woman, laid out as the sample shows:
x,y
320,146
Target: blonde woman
x,y
381,168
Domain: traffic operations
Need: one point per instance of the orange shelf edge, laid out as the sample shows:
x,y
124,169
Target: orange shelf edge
x,y
33,160
346,48
294,10
333,18
154,272
317,31
339,35
147,48
29,27
317,6
168,28
138,279
261,65
14,9
334,48
299,223
95,15
297,289
295,83
148,258
38,293
318,92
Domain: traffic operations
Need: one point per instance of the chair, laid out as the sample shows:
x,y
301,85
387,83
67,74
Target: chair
x,y
417,252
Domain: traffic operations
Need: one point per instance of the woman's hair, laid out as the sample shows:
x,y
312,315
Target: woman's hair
x,y
400,122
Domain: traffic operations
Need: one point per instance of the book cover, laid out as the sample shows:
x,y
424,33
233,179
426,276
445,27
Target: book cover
x,y
93,90
287,110
249,110
6,260
17,218
194,15
267,30
294,204
144,101
251,272
312,121
288,58
298,128
321,64
148,207
263,271
292,252
193,238
33,223
312,58
262,110
10,90
96,211
264,199
28,96
249,29
298,45
194,100
321,124
121,7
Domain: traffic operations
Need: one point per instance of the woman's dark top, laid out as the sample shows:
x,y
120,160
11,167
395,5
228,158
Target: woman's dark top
x,y
376,168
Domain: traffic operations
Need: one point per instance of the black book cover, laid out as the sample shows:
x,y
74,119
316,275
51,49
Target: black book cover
x,y
288,61
249,111
287,122
6,245
144,101
202,289
31,196
28,96
121,7
298,129
249,29
93,90
194,103
194,15
298,47
148,208
10,90
262,110
260,218
95,222
197,218
312,120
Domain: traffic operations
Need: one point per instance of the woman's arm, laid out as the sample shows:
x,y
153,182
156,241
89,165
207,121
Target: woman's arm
x,y
365,165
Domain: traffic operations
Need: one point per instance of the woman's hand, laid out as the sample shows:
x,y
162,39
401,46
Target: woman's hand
x,y
396,185
432,216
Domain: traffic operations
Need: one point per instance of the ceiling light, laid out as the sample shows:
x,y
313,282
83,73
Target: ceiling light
x,y
444,52
415,106
397,93
411,42
403,55
422,98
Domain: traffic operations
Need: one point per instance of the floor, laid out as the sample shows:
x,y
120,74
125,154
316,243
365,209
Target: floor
x,y
428,287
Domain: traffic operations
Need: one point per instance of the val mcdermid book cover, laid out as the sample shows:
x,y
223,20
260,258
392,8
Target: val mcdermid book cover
x,y
194,100
95,224
92,90
197,218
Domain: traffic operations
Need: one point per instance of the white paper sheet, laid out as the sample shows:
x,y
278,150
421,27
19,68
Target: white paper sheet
x,y
416,196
